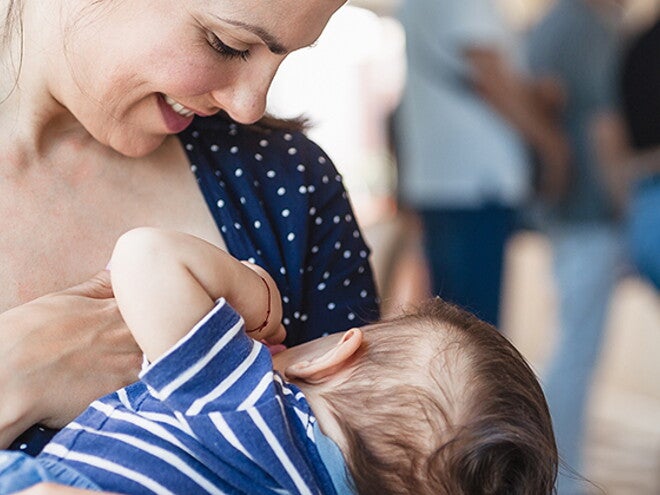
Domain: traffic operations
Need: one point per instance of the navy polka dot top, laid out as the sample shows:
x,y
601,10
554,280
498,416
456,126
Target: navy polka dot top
x,y
279,202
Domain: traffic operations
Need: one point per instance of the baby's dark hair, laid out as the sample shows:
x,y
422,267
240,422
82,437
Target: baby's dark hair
x,y
441,403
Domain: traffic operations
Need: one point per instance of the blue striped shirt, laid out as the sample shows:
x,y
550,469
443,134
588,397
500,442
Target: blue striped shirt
x,y
210,416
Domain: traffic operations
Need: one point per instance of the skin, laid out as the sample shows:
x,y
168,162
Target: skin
x,y
109,93
84,148
166,281
179,278
532,107
180,283
607,128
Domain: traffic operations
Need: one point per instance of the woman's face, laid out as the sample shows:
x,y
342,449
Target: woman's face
x,y
140,70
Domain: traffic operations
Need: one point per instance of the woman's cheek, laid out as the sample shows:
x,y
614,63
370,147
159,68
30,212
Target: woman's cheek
x,y
190,74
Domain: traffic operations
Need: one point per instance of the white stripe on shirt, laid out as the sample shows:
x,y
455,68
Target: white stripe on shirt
x,y
184,424
158,452
153,428
109,466
285,389
279,452
168,420
123,398
166,391
258,391
224,385
225,430
305,421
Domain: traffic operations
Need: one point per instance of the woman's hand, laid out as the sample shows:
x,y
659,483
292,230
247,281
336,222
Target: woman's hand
x,y
59,353
54,489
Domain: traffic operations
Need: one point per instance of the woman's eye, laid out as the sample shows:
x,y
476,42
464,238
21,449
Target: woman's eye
x,y
225,50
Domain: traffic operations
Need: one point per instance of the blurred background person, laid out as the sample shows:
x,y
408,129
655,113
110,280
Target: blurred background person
x,y
465,115
577,43
641,106
347,92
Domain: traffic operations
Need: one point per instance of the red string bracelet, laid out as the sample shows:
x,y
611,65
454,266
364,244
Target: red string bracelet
x,y
263,325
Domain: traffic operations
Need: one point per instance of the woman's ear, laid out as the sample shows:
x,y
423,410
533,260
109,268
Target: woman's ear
x,y
329,363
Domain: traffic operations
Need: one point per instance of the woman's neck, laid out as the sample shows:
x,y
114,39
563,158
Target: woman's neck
x,y
32,121
34,125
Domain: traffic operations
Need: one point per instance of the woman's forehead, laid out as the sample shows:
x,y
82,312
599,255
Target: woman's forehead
x,y
291,23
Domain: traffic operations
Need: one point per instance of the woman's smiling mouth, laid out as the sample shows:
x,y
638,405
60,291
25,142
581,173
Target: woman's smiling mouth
x,y
178,107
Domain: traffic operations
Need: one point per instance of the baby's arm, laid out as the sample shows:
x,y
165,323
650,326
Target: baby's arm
x,y
165,282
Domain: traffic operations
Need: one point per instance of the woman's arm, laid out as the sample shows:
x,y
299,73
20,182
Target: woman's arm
x,y
59,353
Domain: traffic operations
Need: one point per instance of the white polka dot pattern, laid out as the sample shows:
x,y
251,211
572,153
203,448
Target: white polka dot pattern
x,y
280,203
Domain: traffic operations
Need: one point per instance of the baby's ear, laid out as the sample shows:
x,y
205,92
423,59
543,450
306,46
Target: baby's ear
x,y
322,368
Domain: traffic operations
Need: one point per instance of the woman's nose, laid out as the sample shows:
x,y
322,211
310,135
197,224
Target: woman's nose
x,y
243,105
245,98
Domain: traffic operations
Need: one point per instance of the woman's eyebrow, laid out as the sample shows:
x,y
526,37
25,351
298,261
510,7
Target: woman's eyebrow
x,y
270,41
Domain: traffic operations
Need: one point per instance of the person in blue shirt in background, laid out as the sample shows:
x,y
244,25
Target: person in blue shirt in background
x,y
432,402
640,94
578,45
467,118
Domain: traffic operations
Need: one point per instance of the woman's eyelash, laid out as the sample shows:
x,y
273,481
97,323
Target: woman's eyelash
x,y
227,51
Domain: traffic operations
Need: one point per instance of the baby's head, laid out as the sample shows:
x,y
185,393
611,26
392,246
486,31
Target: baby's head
x,y
438,402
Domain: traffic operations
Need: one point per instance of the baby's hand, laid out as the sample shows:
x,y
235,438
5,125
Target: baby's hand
x,y
262,306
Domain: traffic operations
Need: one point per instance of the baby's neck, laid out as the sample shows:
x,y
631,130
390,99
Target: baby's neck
x,y
313,392
323,413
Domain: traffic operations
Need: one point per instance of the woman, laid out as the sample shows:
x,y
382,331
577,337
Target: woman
x,y
108,121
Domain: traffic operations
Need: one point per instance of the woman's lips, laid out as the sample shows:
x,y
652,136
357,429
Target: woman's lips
x,y
176,116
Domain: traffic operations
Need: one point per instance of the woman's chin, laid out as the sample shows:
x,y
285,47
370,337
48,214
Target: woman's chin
x,y
137,148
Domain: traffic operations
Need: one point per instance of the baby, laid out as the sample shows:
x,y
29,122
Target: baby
x,y
433,402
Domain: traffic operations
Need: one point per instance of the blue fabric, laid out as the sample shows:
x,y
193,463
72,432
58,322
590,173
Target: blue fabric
x,y
578,43
334,462
209,416
465,249
644,228
19,471
277,198
585,261
279,201
33,440
579,46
